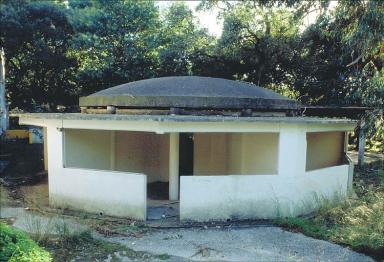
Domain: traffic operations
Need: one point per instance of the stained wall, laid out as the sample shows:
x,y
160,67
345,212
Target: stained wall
x,y
235,153
324,149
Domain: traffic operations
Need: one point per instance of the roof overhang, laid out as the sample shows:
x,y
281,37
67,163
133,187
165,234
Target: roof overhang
x,y
183,123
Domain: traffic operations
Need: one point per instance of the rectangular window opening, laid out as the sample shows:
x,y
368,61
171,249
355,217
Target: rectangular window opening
x,y
324,149
235,154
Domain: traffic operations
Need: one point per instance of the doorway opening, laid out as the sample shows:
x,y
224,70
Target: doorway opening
x,y
186,154
159,205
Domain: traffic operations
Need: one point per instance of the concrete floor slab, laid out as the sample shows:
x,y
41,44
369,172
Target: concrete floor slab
x,y
239,244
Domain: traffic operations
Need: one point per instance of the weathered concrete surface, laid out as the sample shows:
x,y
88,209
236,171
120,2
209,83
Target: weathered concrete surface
x,y
239,244
203,198
184,118
189,92
99,191
120,194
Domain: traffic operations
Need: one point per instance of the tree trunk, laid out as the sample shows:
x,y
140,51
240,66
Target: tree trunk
x,y
3,102
361,147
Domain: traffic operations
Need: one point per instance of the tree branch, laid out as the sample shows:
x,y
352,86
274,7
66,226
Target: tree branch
x,y
355,61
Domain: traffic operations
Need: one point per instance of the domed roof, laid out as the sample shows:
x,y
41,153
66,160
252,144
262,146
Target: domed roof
x,y
189,92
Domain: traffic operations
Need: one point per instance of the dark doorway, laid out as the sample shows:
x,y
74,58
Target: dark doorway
x,y
186,154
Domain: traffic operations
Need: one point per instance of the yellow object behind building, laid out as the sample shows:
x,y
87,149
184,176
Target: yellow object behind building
x,y
16,134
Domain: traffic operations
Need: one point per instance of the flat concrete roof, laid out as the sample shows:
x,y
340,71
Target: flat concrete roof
x,y
183,118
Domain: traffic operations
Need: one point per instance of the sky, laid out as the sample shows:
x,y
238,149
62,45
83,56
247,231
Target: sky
x,y
208,19
214,24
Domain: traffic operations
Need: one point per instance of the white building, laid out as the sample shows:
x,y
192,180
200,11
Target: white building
x,y
225,149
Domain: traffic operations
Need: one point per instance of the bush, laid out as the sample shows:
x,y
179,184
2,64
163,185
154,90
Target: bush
x,y
16,246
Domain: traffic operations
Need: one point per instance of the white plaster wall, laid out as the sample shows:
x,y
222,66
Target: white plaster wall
x,y
202,197
135,152
108,192
258,196
55,155
143,152
113,193
235,153
292,151
87,148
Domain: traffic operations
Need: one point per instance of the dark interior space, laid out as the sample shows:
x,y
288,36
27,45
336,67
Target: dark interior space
x,y
157,190
186,154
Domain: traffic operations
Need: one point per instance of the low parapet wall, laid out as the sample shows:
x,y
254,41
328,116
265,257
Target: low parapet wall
x,y
99,191
205,198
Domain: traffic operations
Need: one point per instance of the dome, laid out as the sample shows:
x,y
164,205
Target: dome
x,y
189,92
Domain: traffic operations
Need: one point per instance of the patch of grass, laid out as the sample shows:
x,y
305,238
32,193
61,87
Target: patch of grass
x,y
39,231
357,222
114,226
164,256
84,246
16,246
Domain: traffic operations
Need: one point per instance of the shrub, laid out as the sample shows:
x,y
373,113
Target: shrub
x,y
16,246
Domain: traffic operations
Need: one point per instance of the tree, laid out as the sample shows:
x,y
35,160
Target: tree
x,y
336,61
181,41
258,44
35,36
115,42
343,56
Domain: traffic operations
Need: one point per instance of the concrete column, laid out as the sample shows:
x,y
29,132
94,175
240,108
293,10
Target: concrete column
x,y
292,151
113,149
56,152
173,166
55,147
45,149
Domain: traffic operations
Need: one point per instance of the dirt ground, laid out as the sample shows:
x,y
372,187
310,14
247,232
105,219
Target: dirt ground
x,y
21,163
26,207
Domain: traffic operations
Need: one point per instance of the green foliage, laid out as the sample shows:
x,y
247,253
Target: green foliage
x,y
342,58
114,42
16,246
164,256
181,41
337,60
258,45
36,37
361,26
57,51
